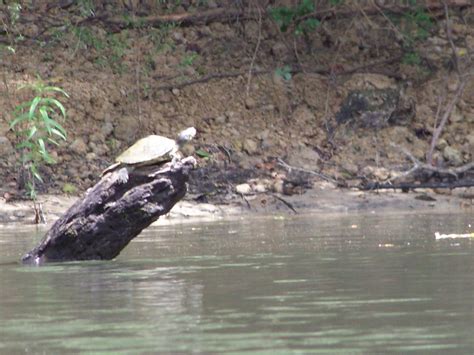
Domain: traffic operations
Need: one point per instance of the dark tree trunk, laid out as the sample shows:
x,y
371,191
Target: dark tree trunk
x,y
113,212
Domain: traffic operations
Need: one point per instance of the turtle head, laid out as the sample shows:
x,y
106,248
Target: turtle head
x,y
186,135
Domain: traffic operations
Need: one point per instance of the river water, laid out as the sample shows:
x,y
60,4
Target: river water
x,y
357,284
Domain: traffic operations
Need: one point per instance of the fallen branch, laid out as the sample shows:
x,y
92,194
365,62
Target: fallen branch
x,y
418,165
411,186
113,212
286,203
311,172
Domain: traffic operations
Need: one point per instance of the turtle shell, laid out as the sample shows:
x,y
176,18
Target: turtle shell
x,y
149,150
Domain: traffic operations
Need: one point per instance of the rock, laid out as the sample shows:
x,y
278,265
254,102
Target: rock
x,y
376,108
6,147
381,174
126,128
350,168
250,103
106,129
78,146
303,157
259,187
249,146
243,189
452,155
221,119
441,144
175,91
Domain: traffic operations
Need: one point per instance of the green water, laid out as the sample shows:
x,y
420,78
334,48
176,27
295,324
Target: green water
x,y
334,284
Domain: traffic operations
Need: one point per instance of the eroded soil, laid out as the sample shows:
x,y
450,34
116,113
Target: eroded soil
x,y
262,131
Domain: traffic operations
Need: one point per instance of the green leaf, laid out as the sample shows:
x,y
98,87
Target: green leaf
x,y
202,153
32,132
284,72
21,106
35,172
51,140
42,147
59,133
33,106
58,127
18,119
55,88
25,144
54,102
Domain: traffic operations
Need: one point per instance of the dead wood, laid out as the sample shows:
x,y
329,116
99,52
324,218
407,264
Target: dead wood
x,y
420,166
405,186
112,213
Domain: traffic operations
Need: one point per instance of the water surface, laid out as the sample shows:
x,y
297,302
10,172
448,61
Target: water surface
x,y
357,284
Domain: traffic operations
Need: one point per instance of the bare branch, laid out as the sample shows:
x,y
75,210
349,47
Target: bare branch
x,y
256,49
288,167
418,165
444,119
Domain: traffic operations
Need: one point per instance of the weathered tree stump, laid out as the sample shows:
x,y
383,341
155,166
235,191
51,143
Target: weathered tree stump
x,y
113,212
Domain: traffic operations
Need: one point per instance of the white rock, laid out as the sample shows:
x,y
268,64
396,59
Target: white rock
x,y
243,189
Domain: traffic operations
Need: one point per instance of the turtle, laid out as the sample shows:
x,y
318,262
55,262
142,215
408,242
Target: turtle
x,y
152,150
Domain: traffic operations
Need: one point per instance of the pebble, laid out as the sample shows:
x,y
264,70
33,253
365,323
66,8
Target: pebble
x,y
243,189
250,103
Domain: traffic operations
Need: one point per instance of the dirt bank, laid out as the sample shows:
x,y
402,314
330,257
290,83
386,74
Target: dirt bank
x,y
278,115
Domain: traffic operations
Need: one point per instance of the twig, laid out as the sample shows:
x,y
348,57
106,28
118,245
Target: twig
x,y
256,49
286,203
444,119
138,91
288,167
450,39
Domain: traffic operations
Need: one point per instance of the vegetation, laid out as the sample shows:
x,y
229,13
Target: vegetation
x,y
35,123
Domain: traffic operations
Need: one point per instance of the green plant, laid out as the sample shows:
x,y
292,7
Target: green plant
x,y
188,59
9,26
86,7
36,126
88,38
411,58
284,72
296,16
69,189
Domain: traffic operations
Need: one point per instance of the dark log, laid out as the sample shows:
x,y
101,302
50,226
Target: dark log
x,y
113,212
